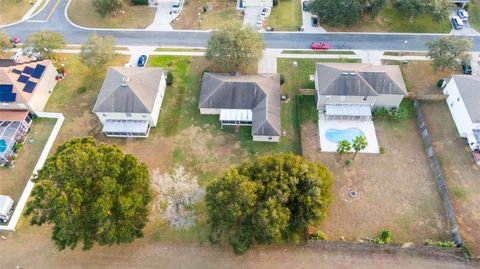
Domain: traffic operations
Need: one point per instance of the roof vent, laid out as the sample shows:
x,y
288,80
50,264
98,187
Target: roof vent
x,y
124,81
353,74
344,73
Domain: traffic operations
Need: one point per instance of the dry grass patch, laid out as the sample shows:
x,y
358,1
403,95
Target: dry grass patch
x,y
13,10
219,14
82,13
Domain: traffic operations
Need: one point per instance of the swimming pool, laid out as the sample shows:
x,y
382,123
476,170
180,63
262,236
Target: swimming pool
x,y
335,135
3,145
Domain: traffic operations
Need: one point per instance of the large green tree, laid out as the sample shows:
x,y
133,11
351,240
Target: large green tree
x,y
438,9
359,143
97,51
107,7
4,42
235,48
43,44
346,12
266,200
448,52
91,193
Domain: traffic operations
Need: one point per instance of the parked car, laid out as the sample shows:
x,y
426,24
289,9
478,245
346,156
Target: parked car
x,y
463,14
305,5
142,60
320,45
466,69
15,40
314,20
457,22
265,12
6,208
176,6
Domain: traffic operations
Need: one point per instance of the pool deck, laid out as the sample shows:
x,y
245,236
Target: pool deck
x,y
365,126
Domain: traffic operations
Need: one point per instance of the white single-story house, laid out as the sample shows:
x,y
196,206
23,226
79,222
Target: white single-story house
x,y
24,91
346,95
129,101
249,100
463,99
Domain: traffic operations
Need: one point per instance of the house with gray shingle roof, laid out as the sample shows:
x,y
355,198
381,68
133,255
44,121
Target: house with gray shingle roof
x,y
353,90
463,99
244,100
129,101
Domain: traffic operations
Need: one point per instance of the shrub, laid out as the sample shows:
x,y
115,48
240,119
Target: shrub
x,y
139,2
441,244
275,3
381,113
384,238
169,79
82,89
467,5
17,147
466,252
440,83
399,113
319,235
282,79
348,162
382,150
205,8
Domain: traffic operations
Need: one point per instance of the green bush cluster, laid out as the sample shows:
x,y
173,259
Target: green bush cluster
x,y
169,79
139,2
282,79
384,238
397,113
319,235
442,244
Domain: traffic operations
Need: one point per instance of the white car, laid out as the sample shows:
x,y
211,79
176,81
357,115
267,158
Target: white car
x,y
265,13
463,14
457,22
176,7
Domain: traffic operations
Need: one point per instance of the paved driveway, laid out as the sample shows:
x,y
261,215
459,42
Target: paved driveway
x,y
251,15
467,30
162,19
307,22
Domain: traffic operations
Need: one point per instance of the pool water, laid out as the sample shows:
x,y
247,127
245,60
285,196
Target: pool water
x,y
3,145
335,135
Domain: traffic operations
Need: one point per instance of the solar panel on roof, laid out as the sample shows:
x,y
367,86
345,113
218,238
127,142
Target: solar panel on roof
x,y
8,97
22,79
6,88
29,86
16,71
28,70
39,69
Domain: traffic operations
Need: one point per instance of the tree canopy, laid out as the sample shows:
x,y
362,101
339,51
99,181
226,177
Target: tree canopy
x,y
42,44
235,48
107,7
91,193
346,12
438,9
266,200
97,51
448,52
4,42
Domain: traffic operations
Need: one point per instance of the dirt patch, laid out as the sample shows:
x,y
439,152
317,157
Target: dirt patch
x,y
219,13
461,174
396,190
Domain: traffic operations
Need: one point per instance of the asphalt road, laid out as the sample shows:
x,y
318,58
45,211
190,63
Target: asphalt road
x,y
280,40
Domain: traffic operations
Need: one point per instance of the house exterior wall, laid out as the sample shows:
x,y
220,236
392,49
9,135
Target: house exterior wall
x,y
261,138
103,116
44,89
14,106
339,99
257,3
158,101
388,100
458,109
210,111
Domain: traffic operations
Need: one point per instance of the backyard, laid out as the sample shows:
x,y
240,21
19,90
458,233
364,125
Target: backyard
x,y
82,13
461,173
392,20
13,10
14,179
219,14
286,16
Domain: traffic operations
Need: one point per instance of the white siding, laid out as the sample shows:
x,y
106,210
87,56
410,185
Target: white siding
x,y
457,109
158,101
388,100
103,116
261,138
338,99
210,111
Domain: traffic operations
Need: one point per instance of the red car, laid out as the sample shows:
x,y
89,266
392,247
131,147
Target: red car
x,y
15,40
320,45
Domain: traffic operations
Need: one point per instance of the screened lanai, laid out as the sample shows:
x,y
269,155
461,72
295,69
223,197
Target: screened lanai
x,y
12,131
348,112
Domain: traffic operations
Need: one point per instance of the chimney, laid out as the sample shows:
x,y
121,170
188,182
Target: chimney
x,y
124,81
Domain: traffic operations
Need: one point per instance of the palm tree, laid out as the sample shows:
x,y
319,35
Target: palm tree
x,y
359,144
343,147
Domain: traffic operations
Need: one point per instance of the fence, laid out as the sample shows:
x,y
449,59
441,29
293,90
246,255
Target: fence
x,y
442,187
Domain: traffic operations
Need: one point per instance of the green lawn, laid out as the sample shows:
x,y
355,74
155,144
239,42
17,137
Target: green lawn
x,y
286,16
340,52
474,13
180,49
